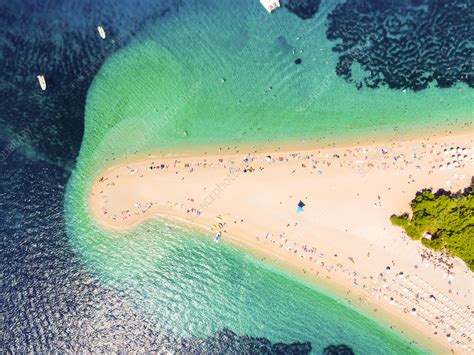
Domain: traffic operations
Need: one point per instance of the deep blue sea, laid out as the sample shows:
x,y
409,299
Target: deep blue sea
x,y
49,300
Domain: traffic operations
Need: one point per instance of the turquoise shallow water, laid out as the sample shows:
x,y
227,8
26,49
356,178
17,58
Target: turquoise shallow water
x,y
226,74
196,287
222,73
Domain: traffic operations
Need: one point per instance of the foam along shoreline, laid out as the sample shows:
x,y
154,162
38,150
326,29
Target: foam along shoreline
x,y
343,236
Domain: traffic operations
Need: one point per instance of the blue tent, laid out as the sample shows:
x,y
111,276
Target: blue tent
x,y
300,207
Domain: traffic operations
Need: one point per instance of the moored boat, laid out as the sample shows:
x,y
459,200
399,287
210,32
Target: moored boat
x,y
42,81
101,31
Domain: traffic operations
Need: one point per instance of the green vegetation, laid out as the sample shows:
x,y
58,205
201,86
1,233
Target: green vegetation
x,y
448,218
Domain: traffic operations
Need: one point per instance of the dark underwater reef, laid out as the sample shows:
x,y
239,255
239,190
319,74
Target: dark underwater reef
x,y
404,44
304,9
228,342
338,350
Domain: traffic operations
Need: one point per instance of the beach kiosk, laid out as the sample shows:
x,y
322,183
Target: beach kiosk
x,y
270,5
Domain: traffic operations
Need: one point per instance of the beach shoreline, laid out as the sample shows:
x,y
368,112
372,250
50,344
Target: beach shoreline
x,y
186,149
252,237
373,311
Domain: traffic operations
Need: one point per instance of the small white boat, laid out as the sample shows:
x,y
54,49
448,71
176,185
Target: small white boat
x,y
42,82
218,237
101,31
270,5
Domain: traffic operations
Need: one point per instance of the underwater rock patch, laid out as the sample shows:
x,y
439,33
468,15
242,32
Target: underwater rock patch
x,y
304,9
406,44
341,349
226,341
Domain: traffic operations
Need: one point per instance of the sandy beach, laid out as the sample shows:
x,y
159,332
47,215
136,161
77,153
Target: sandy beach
x,y
342,237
